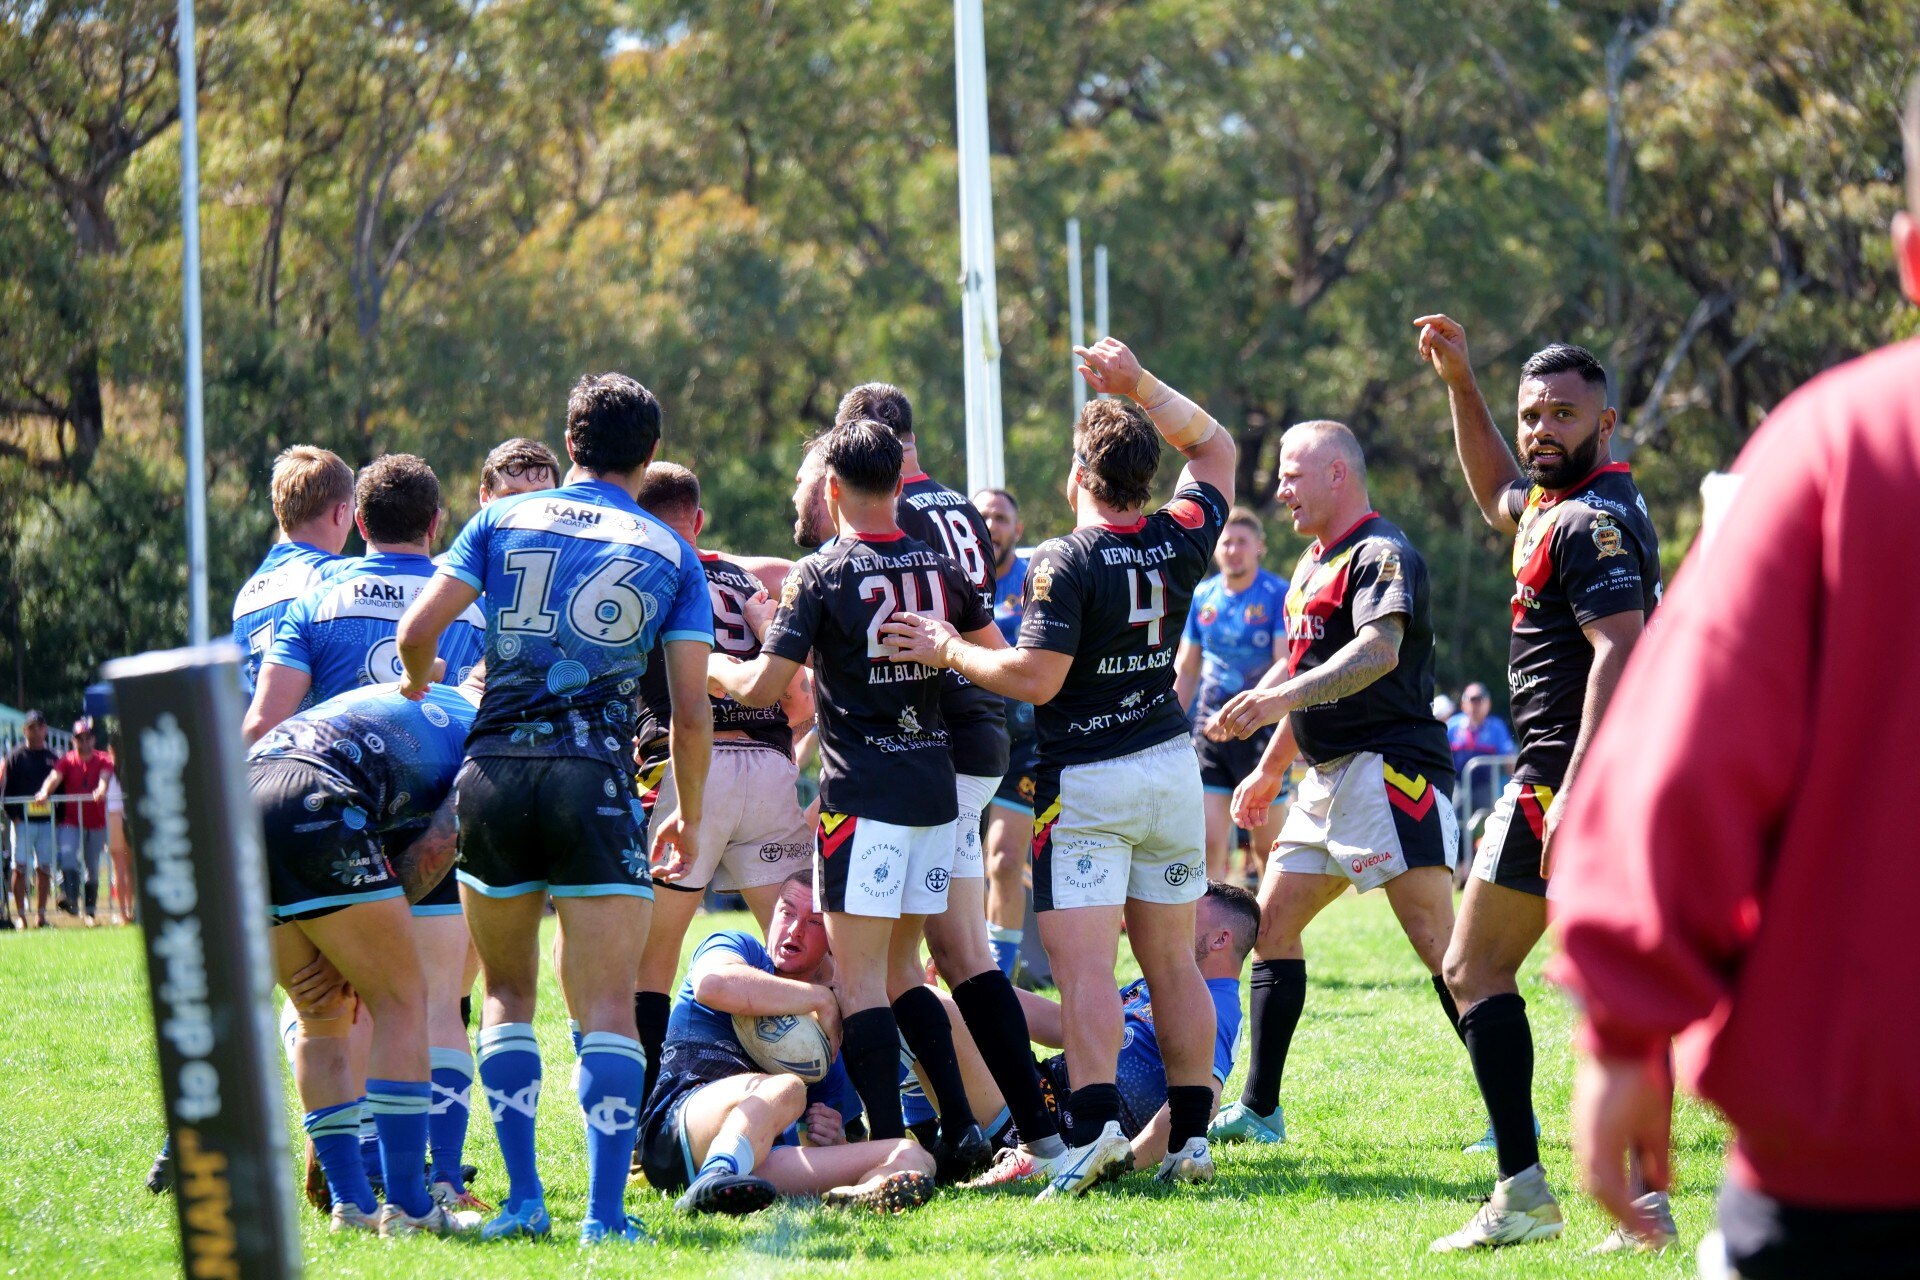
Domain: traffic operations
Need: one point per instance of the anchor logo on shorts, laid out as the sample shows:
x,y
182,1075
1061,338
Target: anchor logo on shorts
x,y
937,880
1178,874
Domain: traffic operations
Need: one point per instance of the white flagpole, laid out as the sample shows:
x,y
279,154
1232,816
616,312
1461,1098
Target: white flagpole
x,y
190,317
1100,329
1076,315
980,321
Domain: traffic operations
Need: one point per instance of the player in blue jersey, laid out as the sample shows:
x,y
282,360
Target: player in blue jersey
x,y
1235,631
727,1134
1225,924
339,635
580,584
1009,830
313,506
355,815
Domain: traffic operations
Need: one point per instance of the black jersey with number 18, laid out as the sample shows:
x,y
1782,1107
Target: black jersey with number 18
x,y
729,587
1116,597
976,719
884,750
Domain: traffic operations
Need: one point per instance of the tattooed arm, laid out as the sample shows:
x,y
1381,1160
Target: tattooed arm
x,y
1372,653
422,865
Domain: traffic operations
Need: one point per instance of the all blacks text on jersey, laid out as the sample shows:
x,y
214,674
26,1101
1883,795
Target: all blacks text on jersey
x,y
1121,664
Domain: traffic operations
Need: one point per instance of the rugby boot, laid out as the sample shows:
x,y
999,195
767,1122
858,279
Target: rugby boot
x,y
528,1219
594,1233
1522,1208
1654,1204
1191,1164
437,1221
1238,1122
1082,1168
888,1193
1485,1144
723,1191
348,1216
962,1156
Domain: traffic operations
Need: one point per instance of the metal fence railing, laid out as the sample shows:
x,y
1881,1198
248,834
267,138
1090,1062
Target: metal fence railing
x,y
1479,785
97,872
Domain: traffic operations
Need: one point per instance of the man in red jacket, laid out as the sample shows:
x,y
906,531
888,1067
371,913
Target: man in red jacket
x,y
1739,868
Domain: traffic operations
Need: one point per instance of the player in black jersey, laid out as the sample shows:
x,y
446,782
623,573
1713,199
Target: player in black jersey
x,y
1586,566
1118,824
977,736
759,837
1355,697
884,849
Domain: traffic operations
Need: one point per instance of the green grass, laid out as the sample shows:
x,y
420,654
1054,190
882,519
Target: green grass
x,y
1379,1100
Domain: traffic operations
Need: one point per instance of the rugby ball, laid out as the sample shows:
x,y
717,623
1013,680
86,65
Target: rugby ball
x,y
788,1042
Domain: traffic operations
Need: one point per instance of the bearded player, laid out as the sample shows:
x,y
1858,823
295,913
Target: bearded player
x,y
1586,567
1118,827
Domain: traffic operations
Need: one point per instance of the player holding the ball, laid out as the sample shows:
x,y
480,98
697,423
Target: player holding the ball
x,y
722,1127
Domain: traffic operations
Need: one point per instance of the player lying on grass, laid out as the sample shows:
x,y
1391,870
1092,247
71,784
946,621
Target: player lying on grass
x,y
1225,923
723,1130
352,800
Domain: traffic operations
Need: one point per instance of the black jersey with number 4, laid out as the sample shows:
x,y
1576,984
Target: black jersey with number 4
x,y
729,587
976,719
1368,573
1116,597
884,750
1580,555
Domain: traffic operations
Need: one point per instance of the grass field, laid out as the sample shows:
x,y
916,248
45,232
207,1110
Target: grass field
x,y
1378,1094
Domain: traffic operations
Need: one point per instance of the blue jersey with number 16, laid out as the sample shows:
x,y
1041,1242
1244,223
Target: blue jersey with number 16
x,y
579,584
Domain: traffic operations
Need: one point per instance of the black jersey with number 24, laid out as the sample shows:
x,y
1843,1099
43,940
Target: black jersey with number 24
x,y
1116,598
945,520
729,587
884,750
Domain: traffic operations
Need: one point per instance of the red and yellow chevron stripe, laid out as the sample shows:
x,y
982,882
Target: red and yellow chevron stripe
x,y
1412,796
1043,826
835,830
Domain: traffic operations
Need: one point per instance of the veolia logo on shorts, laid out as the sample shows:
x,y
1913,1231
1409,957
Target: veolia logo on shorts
x,y
567,677
937,880
1179,873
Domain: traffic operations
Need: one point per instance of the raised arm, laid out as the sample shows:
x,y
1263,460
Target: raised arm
x,y
1492,474
1211,453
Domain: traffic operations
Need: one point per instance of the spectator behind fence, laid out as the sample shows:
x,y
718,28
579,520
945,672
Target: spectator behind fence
x,y
25,768
80,828
1475,731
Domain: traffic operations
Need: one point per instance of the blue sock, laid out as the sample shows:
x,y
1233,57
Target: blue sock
x,y
612,1071
369,1137
400,1113
573,1033
732,1155
510,1075
335,1132
447,1121
1005,945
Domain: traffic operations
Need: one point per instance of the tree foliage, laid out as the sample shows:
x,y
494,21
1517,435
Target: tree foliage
x,y
421,221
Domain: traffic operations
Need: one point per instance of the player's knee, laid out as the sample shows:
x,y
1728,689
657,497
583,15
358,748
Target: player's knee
x,y
331,1021
786,1094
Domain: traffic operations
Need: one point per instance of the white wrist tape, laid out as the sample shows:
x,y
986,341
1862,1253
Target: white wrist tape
x,y
1180,422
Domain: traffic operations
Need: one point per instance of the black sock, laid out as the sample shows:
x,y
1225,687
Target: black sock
x,y
1189,1107
650,1011
1446,1003
998,1026
1279,993
870,1046
466,1012
924,1026
925,1132
1089,1110
1500,1045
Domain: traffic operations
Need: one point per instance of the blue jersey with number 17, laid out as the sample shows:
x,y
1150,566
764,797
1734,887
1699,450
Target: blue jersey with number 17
x,y
579,584
289,570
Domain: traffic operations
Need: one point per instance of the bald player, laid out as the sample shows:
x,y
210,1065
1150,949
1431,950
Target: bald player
x,y
1354,698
